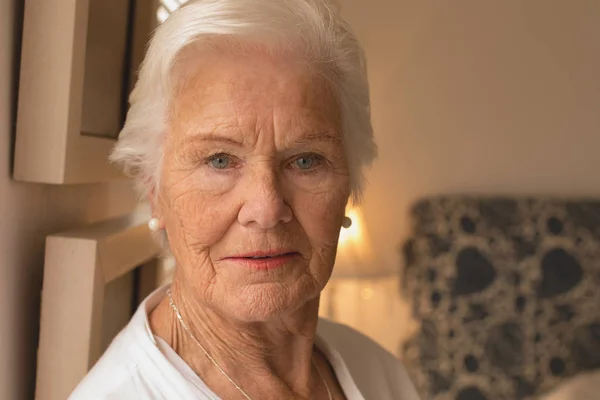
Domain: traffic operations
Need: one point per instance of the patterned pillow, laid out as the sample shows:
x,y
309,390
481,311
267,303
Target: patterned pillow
x,y
507,292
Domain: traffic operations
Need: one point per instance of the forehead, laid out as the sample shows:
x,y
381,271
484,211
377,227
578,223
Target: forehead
x,y
224,90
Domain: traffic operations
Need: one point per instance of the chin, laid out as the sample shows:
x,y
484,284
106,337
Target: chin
x,y
261,304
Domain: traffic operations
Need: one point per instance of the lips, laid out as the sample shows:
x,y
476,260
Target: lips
x,y
264,254
264,259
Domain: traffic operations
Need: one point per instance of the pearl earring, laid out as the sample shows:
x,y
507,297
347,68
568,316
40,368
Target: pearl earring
x,y
154,224
347,222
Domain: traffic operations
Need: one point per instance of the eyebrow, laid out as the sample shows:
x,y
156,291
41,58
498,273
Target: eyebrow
x,y
325,136
210,137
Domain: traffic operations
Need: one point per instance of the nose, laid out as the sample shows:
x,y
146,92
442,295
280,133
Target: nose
x,y
264,203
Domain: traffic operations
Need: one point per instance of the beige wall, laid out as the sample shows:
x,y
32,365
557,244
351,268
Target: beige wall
x,y
28,212
468,96
479,96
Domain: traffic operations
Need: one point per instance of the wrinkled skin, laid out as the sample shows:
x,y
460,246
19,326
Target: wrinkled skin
x,y
253,161
264,115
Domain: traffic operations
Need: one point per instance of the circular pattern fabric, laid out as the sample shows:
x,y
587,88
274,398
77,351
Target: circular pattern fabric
x,y
507,293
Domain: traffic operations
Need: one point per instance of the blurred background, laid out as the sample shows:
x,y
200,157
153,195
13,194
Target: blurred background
x,y
476,253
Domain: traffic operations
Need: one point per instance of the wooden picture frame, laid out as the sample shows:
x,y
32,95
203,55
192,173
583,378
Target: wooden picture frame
x,y
78,64
77,320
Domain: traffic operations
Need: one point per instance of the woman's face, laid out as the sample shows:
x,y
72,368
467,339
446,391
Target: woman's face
x,y
254,185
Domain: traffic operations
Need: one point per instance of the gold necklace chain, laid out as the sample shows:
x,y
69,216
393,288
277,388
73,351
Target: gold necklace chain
x,y
216,364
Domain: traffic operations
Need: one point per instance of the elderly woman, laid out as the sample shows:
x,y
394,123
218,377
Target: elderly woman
x,y
248,133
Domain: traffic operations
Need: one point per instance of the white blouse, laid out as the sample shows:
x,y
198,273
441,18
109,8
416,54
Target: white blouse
x,y
138,365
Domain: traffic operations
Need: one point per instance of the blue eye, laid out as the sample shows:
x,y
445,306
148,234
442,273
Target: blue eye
x,y
219,161
305,162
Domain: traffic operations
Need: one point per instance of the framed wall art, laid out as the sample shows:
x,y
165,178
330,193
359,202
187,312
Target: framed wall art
x,y
94,279
78,65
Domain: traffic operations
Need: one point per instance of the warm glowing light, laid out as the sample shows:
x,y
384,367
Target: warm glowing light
x,y
354,232
354,252
366,293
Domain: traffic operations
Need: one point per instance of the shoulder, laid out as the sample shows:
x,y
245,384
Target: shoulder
x,y
373,368
116,375
134,368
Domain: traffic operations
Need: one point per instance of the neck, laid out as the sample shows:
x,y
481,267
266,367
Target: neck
x,y
278,351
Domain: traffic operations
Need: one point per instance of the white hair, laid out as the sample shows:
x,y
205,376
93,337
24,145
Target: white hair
x,y
310,29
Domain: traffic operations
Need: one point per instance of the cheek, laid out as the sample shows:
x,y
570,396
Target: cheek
x,y
196,217
320,216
